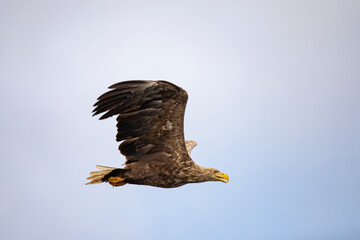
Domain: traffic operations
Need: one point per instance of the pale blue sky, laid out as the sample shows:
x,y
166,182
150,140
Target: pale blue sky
x,y
274,92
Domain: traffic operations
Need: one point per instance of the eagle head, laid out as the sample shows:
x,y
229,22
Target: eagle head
x,y
213,174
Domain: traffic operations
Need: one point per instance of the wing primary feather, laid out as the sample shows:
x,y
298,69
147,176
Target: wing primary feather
x,y
131,83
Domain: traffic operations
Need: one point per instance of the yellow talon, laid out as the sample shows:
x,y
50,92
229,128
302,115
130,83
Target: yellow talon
x,y
116,181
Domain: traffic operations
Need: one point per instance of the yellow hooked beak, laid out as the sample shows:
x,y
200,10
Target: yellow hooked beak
x,y
222,177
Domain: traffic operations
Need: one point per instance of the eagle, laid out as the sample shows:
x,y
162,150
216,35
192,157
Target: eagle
x,y
150,127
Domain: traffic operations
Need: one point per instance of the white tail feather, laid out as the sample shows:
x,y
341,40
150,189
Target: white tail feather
x,y
97,176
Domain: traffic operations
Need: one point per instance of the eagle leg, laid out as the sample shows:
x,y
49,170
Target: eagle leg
x,y
117,181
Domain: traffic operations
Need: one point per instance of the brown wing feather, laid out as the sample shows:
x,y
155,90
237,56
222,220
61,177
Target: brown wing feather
x,y
150,118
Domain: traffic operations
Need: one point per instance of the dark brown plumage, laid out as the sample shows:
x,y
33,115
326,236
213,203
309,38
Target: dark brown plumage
x,y
150,123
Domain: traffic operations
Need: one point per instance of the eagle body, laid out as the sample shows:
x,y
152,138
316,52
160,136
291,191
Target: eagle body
x,y
150,127
159,174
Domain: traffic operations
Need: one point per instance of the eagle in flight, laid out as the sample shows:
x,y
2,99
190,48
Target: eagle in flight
x,y
150,126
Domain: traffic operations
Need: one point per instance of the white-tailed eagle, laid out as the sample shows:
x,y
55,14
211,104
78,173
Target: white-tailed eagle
x,y
150,127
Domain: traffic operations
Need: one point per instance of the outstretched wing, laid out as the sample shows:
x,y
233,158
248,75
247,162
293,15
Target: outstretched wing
x,y
190,144
150,118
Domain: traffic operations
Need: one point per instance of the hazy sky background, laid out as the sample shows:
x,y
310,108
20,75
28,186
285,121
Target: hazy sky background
x,y
274,93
